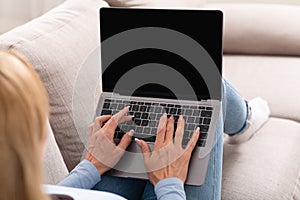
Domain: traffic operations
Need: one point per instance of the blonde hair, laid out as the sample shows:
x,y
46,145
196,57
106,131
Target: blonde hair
x,y
23,113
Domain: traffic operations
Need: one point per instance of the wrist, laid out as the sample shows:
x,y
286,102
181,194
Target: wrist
x,y
98,165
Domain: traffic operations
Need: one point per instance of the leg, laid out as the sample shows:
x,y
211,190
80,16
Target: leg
x,y
127,187
242,119
235,110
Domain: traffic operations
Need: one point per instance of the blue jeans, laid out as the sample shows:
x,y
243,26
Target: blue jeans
x,y
232,120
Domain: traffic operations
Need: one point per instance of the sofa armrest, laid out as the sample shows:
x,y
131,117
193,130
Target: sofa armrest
x,y
57,44
55,168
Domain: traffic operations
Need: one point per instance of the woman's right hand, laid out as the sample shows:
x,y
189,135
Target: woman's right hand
x,y
168,158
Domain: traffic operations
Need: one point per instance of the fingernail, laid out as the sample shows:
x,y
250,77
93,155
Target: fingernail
x,y
165,115
197,130
138,141
131,132
171,117
180,117
127,107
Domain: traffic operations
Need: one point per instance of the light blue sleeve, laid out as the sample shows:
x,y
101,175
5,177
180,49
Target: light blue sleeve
x,y
84,176
170,188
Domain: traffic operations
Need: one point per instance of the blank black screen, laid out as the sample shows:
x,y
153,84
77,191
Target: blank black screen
x,y
205,27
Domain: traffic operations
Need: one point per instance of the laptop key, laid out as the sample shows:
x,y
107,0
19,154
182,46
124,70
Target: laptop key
x,y
196,113
146,131
106,112
206,121
145,116
188,112
185,141
209,108
107,100
203,135
201,143
121,106
135,107
137,115
191,120
150,109
143,108
166,110
200,120
173,111
137,121
139,129
204,128
145,123
152,124
152,116
106,105
179,111
191,127
149,139
205,113
158,109
113,106
176,117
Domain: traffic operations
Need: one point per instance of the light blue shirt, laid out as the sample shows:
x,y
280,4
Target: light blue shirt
x,y
85,176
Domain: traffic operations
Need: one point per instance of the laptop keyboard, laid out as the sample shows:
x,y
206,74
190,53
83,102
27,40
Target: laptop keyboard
x,y
147,115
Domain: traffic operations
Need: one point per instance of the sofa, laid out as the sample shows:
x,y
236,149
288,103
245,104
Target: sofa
x,y
261,58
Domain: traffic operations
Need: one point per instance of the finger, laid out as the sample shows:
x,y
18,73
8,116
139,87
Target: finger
x,y
179,131
169,130
126,119
102,119
145,149
115,120
90,133
193,141
121,114
161,129
126,139
99,122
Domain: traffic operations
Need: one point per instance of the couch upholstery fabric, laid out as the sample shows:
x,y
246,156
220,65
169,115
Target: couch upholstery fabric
x,y
57,45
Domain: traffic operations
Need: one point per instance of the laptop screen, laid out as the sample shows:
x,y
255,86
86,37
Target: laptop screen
x,y
162,53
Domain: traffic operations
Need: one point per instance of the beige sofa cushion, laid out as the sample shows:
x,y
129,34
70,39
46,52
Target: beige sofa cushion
x,y
276,79
55,168
57,44
261,29
267,166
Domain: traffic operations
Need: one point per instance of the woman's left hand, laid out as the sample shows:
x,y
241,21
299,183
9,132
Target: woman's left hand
x,y
102,151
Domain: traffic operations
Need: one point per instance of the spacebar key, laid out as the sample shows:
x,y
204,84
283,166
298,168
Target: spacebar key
x,y
146,138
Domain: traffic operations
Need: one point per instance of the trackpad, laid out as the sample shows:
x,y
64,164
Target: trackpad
x,y
132,161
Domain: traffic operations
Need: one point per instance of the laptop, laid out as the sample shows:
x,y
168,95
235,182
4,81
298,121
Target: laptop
x,y
162,61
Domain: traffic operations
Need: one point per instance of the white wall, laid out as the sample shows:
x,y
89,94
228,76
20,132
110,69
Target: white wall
x,y
16,12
